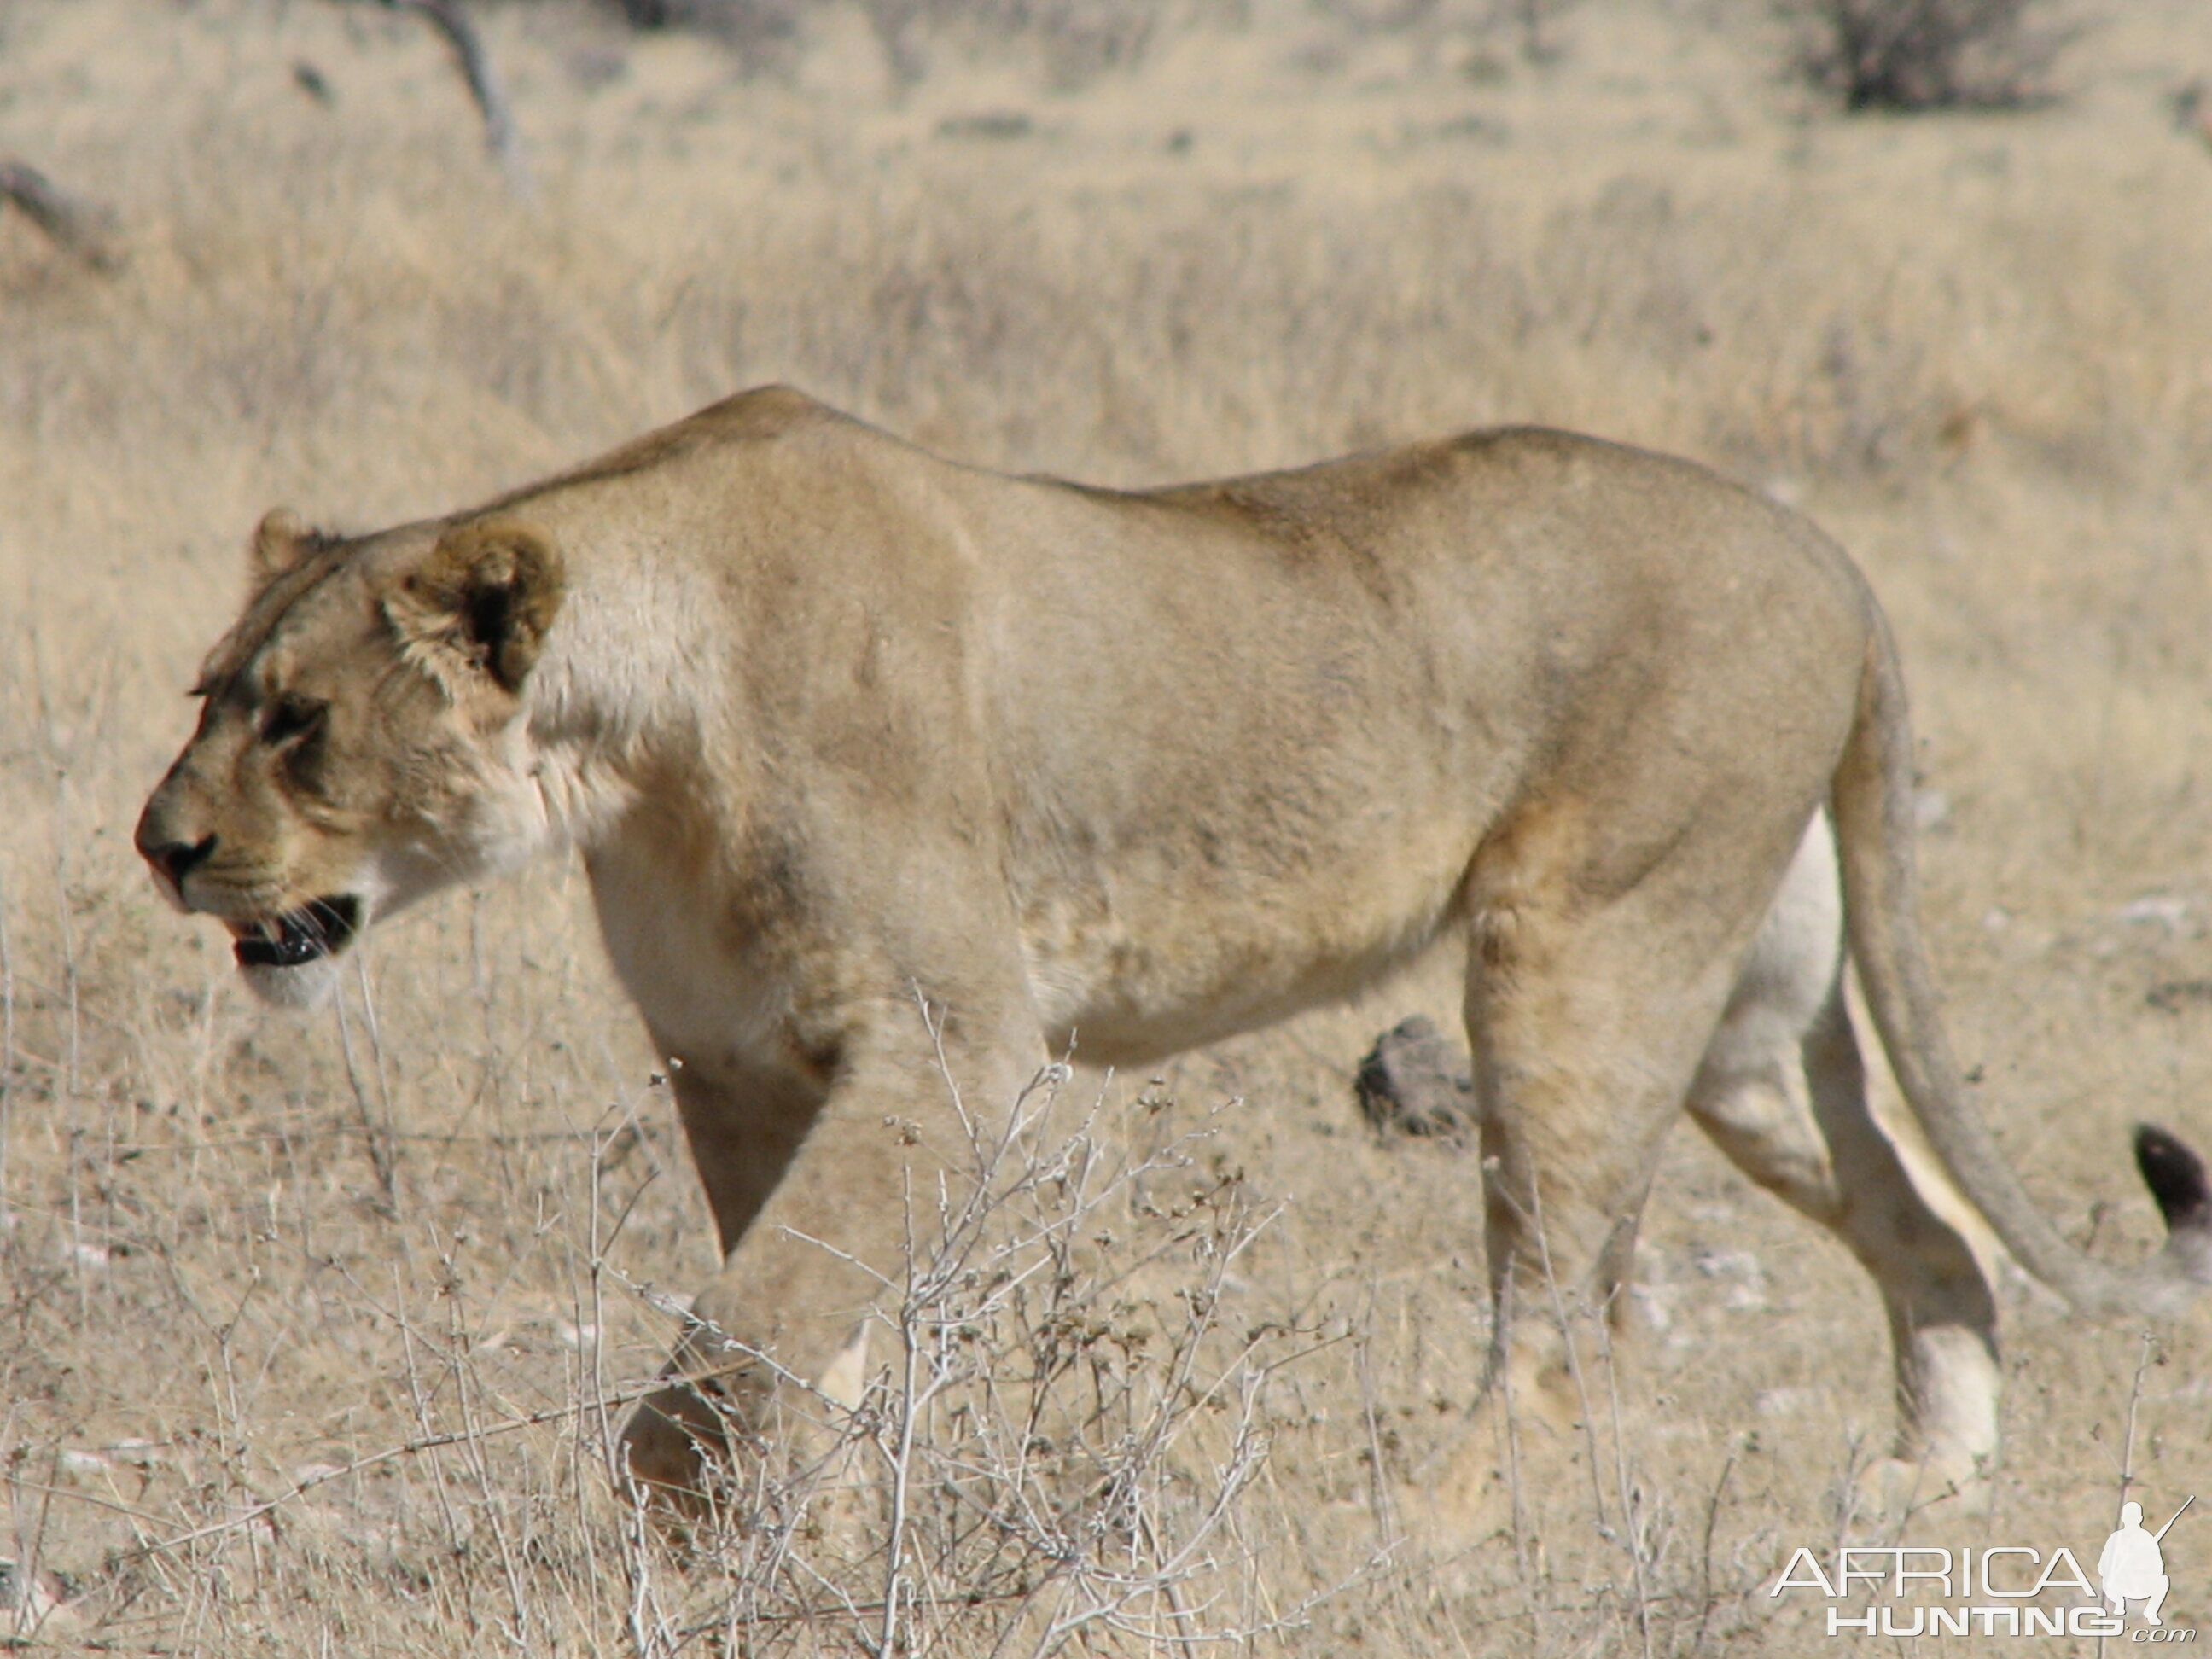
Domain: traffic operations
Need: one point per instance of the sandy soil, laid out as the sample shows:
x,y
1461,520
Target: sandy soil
x,y
240,1252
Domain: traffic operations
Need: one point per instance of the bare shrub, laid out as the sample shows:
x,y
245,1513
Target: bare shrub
x,y
1534,21
1056,1444
1078,41
1927,54
765,33
1378,16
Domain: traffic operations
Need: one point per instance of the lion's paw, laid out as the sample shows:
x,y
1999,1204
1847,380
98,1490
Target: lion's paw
x,y
1892,1492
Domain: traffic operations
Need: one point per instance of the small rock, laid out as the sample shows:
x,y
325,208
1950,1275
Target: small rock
x,y
139,1454
1740,1270
34,1605
1657,1304
1417,1081
2157,909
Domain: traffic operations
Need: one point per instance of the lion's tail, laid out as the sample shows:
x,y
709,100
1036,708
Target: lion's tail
x,y
1873,805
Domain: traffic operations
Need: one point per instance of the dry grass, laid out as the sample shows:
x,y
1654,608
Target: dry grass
x,y
314,1332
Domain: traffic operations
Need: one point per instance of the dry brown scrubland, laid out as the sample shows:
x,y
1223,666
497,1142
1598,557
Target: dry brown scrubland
x,y
311,1332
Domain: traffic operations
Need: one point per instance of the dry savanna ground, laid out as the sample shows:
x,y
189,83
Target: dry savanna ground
x,y
311,1329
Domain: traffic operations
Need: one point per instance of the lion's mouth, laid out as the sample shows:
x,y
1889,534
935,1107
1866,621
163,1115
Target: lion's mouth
x,y
319,928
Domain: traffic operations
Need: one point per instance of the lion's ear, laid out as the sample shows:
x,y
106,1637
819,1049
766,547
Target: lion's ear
x,y
279,541
487,594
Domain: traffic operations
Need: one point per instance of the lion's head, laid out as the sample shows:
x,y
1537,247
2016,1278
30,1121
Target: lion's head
x,y
358,744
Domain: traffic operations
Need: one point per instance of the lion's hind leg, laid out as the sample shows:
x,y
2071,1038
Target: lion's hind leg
x,y
1587,1023
1590,999
1783,1091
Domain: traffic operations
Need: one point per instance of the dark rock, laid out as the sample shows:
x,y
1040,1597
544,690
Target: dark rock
x,y
1417,1081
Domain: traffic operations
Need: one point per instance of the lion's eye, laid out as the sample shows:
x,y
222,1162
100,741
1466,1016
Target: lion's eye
x,y
292,718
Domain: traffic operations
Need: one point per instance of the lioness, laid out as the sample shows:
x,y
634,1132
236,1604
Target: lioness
x,y
836,723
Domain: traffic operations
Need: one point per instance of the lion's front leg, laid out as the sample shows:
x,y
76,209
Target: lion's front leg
x,y
819,1202
745,1124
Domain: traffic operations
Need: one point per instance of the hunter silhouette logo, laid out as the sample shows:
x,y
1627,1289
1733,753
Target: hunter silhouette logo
x,y
1996,1590
2133,1567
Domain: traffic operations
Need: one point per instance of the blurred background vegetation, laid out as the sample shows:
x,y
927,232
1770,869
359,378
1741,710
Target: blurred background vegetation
x,y
264,251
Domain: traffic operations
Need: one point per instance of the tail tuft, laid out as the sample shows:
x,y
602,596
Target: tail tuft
x,y
2176,1177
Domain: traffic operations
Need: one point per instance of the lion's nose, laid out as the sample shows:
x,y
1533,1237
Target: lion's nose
x,y
178,859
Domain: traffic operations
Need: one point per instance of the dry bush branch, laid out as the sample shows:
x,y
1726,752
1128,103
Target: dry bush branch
x,y
83,229
1053,1451
451,21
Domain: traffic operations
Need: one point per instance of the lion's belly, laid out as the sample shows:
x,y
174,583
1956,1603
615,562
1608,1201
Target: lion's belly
x,y
1148,961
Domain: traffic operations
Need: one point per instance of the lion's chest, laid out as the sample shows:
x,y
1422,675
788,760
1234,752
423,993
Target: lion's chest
x,y
699,998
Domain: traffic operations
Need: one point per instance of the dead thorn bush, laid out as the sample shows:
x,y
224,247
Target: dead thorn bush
x,y
1906,55
1054,1450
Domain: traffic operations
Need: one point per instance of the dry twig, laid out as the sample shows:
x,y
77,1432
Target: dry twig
x,y
81,228
452,23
